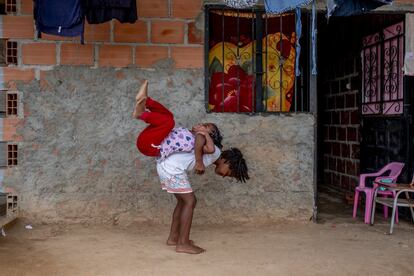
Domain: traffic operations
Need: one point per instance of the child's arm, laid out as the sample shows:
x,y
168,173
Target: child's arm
x,y
200,141
208,147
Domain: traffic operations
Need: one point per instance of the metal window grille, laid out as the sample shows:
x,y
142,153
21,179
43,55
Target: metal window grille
x,y
11,6
250,62
11,104
12,155
11,52
382,77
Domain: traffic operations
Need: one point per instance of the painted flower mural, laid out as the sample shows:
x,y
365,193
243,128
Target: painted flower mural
x,y
232,70
231,90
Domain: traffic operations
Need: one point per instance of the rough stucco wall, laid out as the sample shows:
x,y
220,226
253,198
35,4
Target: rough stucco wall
x,y
79,163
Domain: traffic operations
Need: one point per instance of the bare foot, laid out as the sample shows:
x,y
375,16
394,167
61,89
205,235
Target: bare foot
x,y
143,92
189,249
139,108
171,242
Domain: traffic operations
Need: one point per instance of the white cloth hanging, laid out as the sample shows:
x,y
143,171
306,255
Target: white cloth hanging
x,y
409,45
240,4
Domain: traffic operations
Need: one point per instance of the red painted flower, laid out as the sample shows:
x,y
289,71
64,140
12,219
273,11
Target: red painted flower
x,y
227,89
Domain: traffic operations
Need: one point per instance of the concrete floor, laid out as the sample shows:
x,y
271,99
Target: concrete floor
x,y
337,245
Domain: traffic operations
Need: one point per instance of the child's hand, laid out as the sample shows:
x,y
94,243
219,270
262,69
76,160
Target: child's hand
x,y
199,168
412,184
205,133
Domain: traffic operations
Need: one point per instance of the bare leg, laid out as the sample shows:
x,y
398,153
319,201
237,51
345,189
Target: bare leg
x,y
143,91
184,245
141,99
175,224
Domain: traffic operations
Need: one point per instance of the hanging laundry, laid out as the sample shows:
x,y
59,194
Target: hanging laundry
x,y
281,6
409,45
298,35
353,7
314,70
100,11
62,18
240,4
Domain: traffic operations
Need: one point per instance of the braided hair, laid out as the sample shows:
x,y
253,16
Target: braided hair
x,y
216,136
237,164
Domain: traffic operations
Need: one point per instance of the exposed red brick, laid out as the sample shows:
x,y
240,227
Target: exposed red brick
x,y
345,151
17,74
187,57
340,165
354,117
335,117
332,164
76,54
350,100
58,38
332,133
26,6
167,32
341,133
152,8
195,35
44,84
350,168
10,126
39,53
355,151
340,101
97,32
136,32
336,149
115,55
146,56
336,179
344,117
352,134
18,26
186,8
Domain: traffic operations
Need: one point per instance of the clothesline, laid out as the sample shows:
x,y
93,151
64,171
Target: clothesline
x,y
334,7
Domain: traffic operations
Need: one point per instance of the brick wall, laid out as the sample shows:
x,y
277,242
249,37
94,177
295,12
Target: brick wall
x,y
166,29
341,122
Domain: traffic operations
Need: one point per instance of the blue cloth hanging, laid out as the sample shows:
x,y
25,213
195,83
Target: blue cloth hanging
x,y
314,70
353,7
62,18
281,6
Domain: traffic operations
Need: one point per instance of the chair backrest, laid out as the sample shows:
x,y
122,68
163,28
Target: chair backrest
x,y
395,168
390,171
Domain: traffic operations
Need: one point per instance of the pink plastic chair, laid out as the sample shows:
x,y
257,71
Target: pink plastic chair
x,y
394,169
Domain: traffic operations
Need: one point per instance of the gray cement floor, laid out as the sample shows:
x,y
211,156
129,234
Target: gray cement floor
x,y
337,245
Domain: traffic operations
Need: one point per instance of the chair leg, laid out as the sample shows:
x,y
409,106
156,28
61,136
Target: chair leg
x,y
356,199
394,210
412,213
368,206
373,206
385,209
396,216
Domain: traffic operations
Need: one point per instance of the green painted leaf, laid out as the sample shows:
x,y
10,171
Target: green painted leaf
x,y
215,66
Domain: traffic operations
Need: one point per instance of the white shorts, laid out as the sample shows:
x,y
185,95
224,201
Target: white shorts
x,y
175,184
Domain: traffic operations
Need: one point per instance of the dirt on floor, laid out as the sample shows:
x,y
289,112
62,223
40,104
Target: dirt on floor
x,y
337,245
